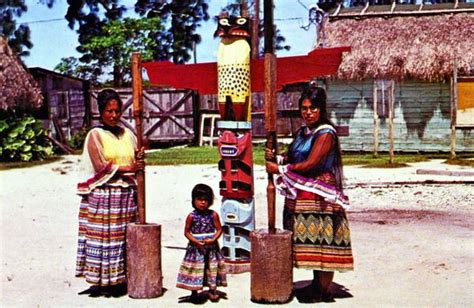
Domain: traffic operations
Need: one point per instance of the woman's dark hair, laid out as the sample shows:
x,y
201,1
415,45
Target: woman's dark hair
x,y
317,96
202,191
105,96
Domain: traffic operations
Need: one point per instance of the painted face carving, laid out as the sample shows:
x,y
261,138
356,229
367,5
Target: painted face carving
x,y
233,26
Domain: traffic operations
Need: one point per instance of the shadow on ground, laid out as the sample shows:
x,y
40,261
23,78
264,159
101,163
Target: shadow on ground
x,y
201,298
305,292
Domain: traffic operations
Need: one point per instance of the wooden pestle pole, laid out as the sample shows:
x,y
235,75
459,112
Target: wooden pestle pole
x,y
270,104
138,115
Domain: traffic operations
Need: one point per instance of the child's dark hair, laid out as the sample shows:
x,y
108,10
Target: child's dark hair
x,y
202,191
105,96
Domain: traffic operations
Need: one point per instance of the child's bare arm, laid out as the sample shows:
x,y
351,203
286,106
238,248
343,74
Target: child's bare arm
x,y
188,233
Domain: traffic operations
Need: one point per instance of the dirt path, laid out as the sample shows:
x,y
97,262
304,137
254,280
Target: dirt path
x,y
411,248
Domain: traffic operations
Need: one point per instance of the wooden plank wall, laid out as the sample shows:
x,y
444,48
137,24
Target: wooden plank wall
x,y
77,110
421,117
68,107
163,121
287,103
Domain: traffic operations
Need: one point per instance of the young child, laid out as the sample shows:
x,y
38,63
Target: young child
x,y
203,263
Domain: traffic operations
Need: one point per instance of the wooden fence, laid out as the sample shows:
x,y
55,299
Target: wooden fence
x,y
169,115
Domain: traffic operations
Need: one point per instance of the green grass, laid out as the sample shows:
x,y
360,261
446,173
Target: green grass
x,y
183,156
194,156
190,155
368,160
209,155
22,164
460,161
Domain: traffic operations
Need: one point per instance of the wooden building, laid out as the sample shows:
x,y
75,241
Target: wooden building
x,y
66,102
409,76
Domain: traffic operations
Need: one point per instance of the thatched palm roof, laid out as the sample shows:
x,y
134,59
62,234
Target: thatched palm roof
x,y
18,89
408,46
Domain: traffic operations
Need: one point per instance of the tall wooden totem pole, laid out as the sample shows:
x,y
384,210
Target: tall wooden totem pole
x,y
235,140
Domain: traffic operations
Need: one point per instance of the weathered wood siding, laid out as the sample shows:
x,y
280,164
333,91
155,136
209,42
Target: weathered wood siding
x,y
68,108
288,119
168,115
421,117
64,100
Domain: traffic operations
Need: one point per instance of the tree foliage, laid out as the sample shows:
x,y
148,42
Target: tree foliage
x,y
109,40
18,35
113,49
183,17
235,9
73,67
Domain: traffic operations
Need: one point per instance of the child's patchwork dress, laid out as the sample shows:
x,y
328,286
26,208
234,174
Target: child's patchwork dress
x,y
202,266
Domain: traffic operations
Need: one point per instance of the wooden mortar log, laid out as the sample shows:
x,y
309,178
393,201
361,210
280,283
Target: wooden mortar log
x,y
144,275
271,274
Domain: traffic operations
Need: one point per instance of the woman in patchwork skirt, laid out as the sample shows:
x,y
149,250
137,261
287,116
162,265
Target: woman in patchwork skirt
x,y
310,178
108,199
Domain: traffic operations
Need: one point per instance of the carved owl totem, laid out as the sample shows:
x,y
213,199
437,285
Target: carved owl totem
x,y
233,68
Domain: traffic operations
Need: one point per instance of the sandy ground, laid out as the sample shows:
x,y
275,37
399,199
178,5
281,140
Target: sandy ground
x,y
413,245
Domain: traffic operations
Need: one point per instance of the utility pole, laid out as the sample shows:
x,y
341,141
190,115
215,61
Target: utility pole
x,y
255,28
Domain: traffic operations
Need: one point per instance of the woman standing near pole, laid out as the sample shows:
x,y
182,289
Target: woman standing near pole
x,y
311,181
108,199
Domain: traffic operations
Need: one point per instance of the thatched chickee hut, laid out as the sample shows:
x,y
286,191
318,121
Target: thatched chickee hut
x,y
18,89
409,76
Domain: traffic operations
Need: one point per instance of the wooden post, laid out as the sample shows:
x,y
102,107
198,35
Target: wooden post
x,y
244,10
143,240
138,115
391,100
454,101
255,28
376,121
270,127
271,274
270,105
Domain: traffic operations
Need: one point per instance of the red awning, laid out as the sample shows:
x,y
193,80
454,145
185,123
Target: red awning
x,y
203,76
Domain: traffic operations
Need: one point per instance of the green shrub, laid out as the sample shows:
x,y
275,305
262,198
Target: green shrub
x,y
77,141
23,139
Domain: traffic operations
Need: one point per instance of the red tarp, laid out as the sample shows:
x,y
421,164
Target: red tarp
x,y
203,76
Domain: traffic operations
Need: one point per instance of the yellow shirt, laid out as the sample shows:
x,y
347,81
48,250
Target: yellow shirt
x,y
118,150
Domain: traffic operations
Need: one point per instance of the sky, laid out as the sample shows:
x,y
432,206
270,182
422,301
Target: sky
x,y
53,39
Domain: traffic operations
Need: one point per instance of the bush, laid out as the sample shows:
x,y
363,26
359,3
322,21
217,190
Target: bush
x,y
77,141
23,139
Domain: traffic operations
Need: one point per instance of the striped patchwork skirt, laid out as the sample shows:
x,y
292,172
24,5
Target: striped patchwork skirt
x,y
103,218
201,267
321,235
